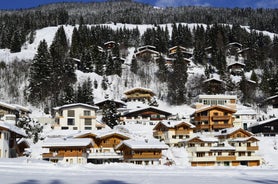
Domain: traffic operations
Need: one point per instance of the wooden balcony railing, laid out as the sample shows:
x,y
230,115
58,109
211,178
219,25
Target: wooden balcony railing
x,y
220,118
201,118
252,148
225,158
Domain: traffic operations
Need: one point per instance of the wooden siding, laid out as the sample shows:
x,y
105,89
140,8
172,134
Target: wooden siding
x,y
252,148
225,158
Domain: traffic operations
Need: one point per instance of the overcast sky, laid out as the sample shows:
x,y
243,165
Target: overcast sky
x,y
16,4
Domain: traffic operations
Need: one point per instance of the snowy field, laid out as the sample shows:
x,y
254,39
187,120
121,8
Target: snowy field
x,y
20,171
35,171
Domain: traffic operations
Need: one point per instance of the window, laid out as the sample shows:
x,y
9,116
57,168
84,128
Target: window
x,y
64,128
88,121
70,121
87,113
200,154
74,128
70,113
219,153
88,128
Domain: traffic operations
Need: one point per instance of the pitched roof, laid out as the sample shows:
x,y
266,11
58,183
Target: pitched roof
x,y
146,108
14,107
244,139
132,90
202,139
13,128
75,105
263,122
215,106
229,131
174,123
67,142
143,144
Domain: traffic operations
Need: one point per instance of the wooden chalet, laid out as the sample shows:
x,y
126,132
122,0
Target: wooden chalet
x,y
118,103
10,135
67,150
266,128
273,101
138,94
233,48
13,109
172,131
213,118
146,53
152,115
230,147
213,86
103,149
142,152
236,67
109,44
186,52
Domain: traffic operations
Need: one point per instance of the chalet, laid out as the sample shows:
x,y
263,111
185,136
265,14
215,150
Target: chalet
x,y
12,111
233,48
231,147
76,116
138,94
67,150
213,118
213,85
103,149
10,135
169,61
186,52
144,115
226,100
172,131
118,103
142,152
273,101
266,128
236,67
109,45
146,53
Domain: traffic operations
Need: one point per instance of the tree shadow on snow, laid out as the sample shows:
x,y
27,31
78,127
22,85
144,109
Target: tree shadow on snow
x,y
263,181
38,182
111,182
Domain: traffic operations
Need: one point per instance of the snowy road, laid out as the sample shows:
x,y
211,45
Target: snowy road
x,y
21,172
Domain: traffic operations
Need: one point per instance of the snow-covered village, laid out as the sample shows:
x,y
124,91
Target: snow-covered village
x,y
126,102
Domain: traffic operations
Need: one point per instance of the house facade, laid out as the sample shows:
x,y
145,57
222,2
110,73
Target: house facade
x,y
267,127
10,135
76,117
226,100
9,112
172,132
142,152
213,118
145,115
103,149
245,118
231,147
67,150
138,94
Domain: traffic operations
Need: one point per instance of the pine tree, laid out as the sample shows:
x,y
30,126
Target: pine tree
x,y
40,72
110,116
162,72
177,81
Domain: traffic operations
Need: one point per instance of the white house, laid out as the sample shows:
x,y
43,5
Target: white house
x,y
76,116
9,137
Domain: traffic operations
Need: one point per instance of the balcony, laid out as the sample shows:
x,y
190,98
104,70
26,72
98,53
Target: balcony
x,y
252,148
216,126
157,134
201,118
198,149
104,155
202,159
220,118
182,132
201,127
225,158
89,117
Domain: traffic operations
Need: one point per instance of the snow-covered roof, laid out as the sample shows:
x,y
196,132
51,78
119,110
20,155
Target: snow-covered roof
x,y
234,43
76,104
67,142
12,128
174,123
105,100
263,122
243,139
14,107
228,131
202,138
213,107
146,49
138,89
219,96
143,144
236,63
246,112
146,46
146,108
